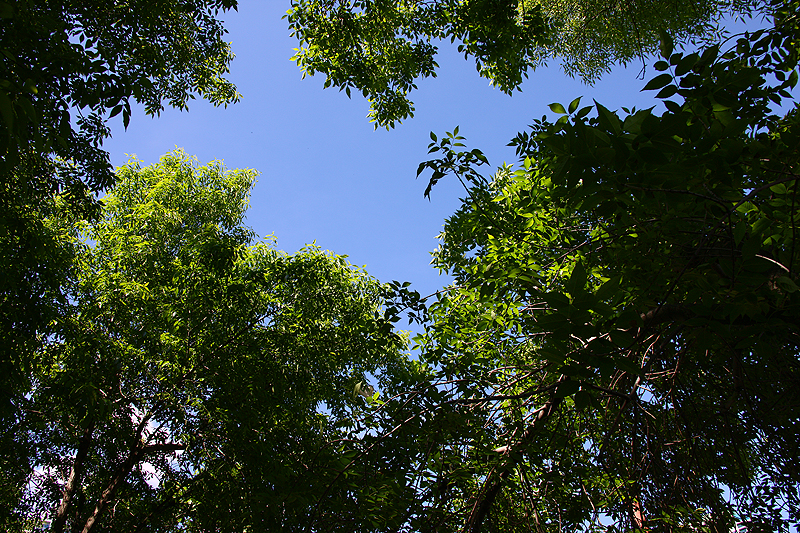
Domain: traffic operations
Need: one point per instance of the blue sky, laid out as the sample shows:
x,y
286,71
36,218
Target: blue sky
x,y
325,174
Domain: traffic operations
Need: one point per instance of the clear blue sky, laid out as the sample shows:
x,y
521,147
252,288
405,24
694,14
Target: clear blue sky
x,y
325,174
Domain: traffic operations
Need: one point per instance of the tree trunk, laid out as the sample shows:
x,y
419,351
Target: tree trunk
x,y
497,478
74,480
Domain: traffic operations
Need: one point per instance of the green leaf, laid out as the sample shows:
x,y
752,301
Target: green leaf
x,y
557,108
6,109
583,112
574,105
739,231
554,356
487,290
658,82
577,281
557,301
608,119
30,87
667,44
609,289
567,388
582,399
787,284
667,92
672,107
622,338
686,64
651,154
778,188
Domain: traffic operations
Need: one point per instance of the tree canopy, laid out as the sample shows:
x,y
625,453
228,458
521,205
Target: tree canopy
x,y
620,345
618,351
66,68
380,48
196,380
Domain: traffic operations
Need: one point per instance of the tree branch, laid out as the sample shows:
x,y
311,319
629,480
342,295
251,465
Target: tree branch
x,y
123,471
497,477
74,480
137,452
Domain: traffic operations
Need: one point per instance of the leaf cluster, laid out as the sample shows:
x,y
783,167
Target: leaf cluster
x,y
622,330
66,68
196,379
382,48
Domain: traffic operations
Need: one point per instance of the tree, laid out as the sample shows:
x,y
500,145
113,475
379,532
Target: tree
x,y
66,68
381,48
619,348
196,381
90,60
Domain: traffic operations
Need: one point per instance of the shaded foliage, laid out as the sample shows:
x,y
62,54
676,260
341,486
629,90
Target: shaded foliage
x,y
620,344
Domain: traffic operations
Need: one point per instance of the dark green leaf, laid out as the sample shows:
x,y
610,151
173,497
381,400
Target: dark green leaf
x,y
667,44
609,289
792,79
658,82
567,388
622,338
608,119
673,107
577,280
7,110
582,400
667,92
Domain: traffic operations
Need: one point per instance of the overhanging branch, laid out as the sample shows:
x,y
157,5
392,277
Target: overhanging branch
x,y
498,476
